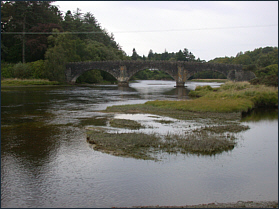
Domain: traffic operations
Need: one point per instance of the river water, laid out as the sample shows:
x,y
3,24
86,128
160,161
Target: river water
x,y
46,161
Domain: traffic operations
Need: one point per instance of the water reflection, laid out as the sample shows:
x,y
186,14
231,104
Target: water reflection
x,y
259,114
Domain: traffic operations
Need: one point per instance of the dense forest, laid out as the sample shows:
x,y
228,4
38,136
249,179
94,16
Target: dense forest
x,y
37,40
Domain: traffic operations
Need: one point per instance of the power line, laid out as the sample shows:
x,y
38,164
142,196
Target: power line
x,y
193,29
147,31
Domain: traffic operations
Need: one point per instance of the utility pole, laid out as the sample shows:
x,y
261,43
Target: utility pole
x,y
23,39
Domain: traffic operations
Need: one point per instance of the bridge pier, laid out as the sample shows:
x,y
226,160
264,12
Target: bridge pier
x,y
180,84
123,83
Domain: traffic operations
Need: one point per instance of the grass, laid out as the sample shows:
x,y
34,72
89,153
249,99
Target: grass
x,y
229,97
124,123
147,146
174,113
210,80
24,82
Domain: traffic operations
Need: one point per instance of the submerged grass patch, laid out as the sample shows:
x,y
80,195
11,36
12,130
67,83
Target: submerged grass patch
x,y
148,146
124,123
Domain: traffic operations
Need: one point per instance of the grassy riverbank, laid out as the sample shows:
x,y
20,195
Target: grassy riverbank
x,y
27,82
230,97
210,80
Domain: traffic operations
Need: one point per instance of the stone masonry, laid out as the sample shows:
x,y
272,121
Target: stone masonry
x,y
180,71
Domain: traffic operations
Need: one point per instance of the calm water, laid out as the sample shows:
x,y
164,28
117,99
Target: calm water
x,y
46,161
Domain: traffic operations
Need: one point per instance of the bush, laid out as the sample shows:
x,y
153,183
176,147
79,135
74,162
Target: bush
x,y
22,70
37,69
267,76
7,70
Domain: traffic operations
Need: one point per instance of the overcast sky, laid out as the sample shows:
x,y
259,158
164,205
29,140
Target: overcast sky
x,y
208,29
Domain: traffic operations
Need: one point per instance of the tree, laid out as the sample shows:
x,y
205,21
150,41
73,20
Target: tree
x,y
165,55
20,17
38,44
63,51
135,55
180,56
150,54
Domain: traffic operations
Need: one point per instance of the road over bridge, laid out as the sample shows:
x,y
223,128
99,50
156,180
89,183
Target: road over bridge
x,y
180,71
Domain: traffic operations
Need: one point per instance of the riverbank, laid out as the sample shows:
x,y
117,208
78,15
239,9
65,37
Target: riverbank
x,y
14,82
229,97
239,204
210,80
27,82
227,101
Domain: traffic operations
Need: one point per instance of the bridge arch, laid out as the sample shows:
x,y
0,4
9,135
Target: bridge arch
x,y
193,73
181,71
93,76
151,69
148,67
74,79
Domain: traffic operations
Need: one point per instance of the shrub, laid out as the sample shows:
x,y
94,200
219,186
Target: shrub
x,y
22,70
37,69
7,70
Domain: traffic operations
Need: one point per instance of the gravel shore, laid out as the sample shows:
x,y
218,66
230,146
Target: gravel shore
x,y
239,204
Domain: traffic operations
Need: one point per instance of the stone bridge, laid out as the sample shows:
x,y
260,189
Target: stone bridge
x,y
180,71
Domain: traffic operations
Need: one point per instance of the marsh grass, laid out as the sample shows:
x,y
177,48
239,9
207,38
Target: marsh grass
x,y
164,121
229,97
147,146
124,123
216,117
210,80
233,128
24,82
135,145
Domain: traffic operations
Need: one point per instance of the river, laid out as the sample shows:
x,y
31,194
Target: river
x,y
46,161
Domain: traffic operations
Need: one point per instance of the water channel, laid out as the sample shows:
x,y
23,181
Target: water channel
x,y
46,161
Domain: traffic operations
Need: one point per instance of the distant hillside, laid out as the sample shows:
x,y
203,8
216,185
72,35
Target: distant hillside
x,y
262,61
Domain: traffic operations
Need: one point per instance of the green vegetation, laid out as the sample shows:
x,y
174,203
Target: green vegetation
x,y
147,146
151,75
123,123
230,97
210,80
262,61
24,82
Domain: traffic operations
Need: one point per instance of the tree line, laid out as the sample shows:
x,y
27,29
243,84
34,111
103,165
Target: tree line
x,y
37,40
262,61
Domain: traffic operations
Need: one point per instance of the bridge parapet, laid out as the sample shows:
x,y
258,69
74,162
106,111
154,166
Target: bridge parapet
x,y
181,71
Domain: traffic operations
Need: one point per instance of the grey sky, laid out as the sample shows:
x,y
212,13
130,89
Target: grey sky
x,y
208,29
